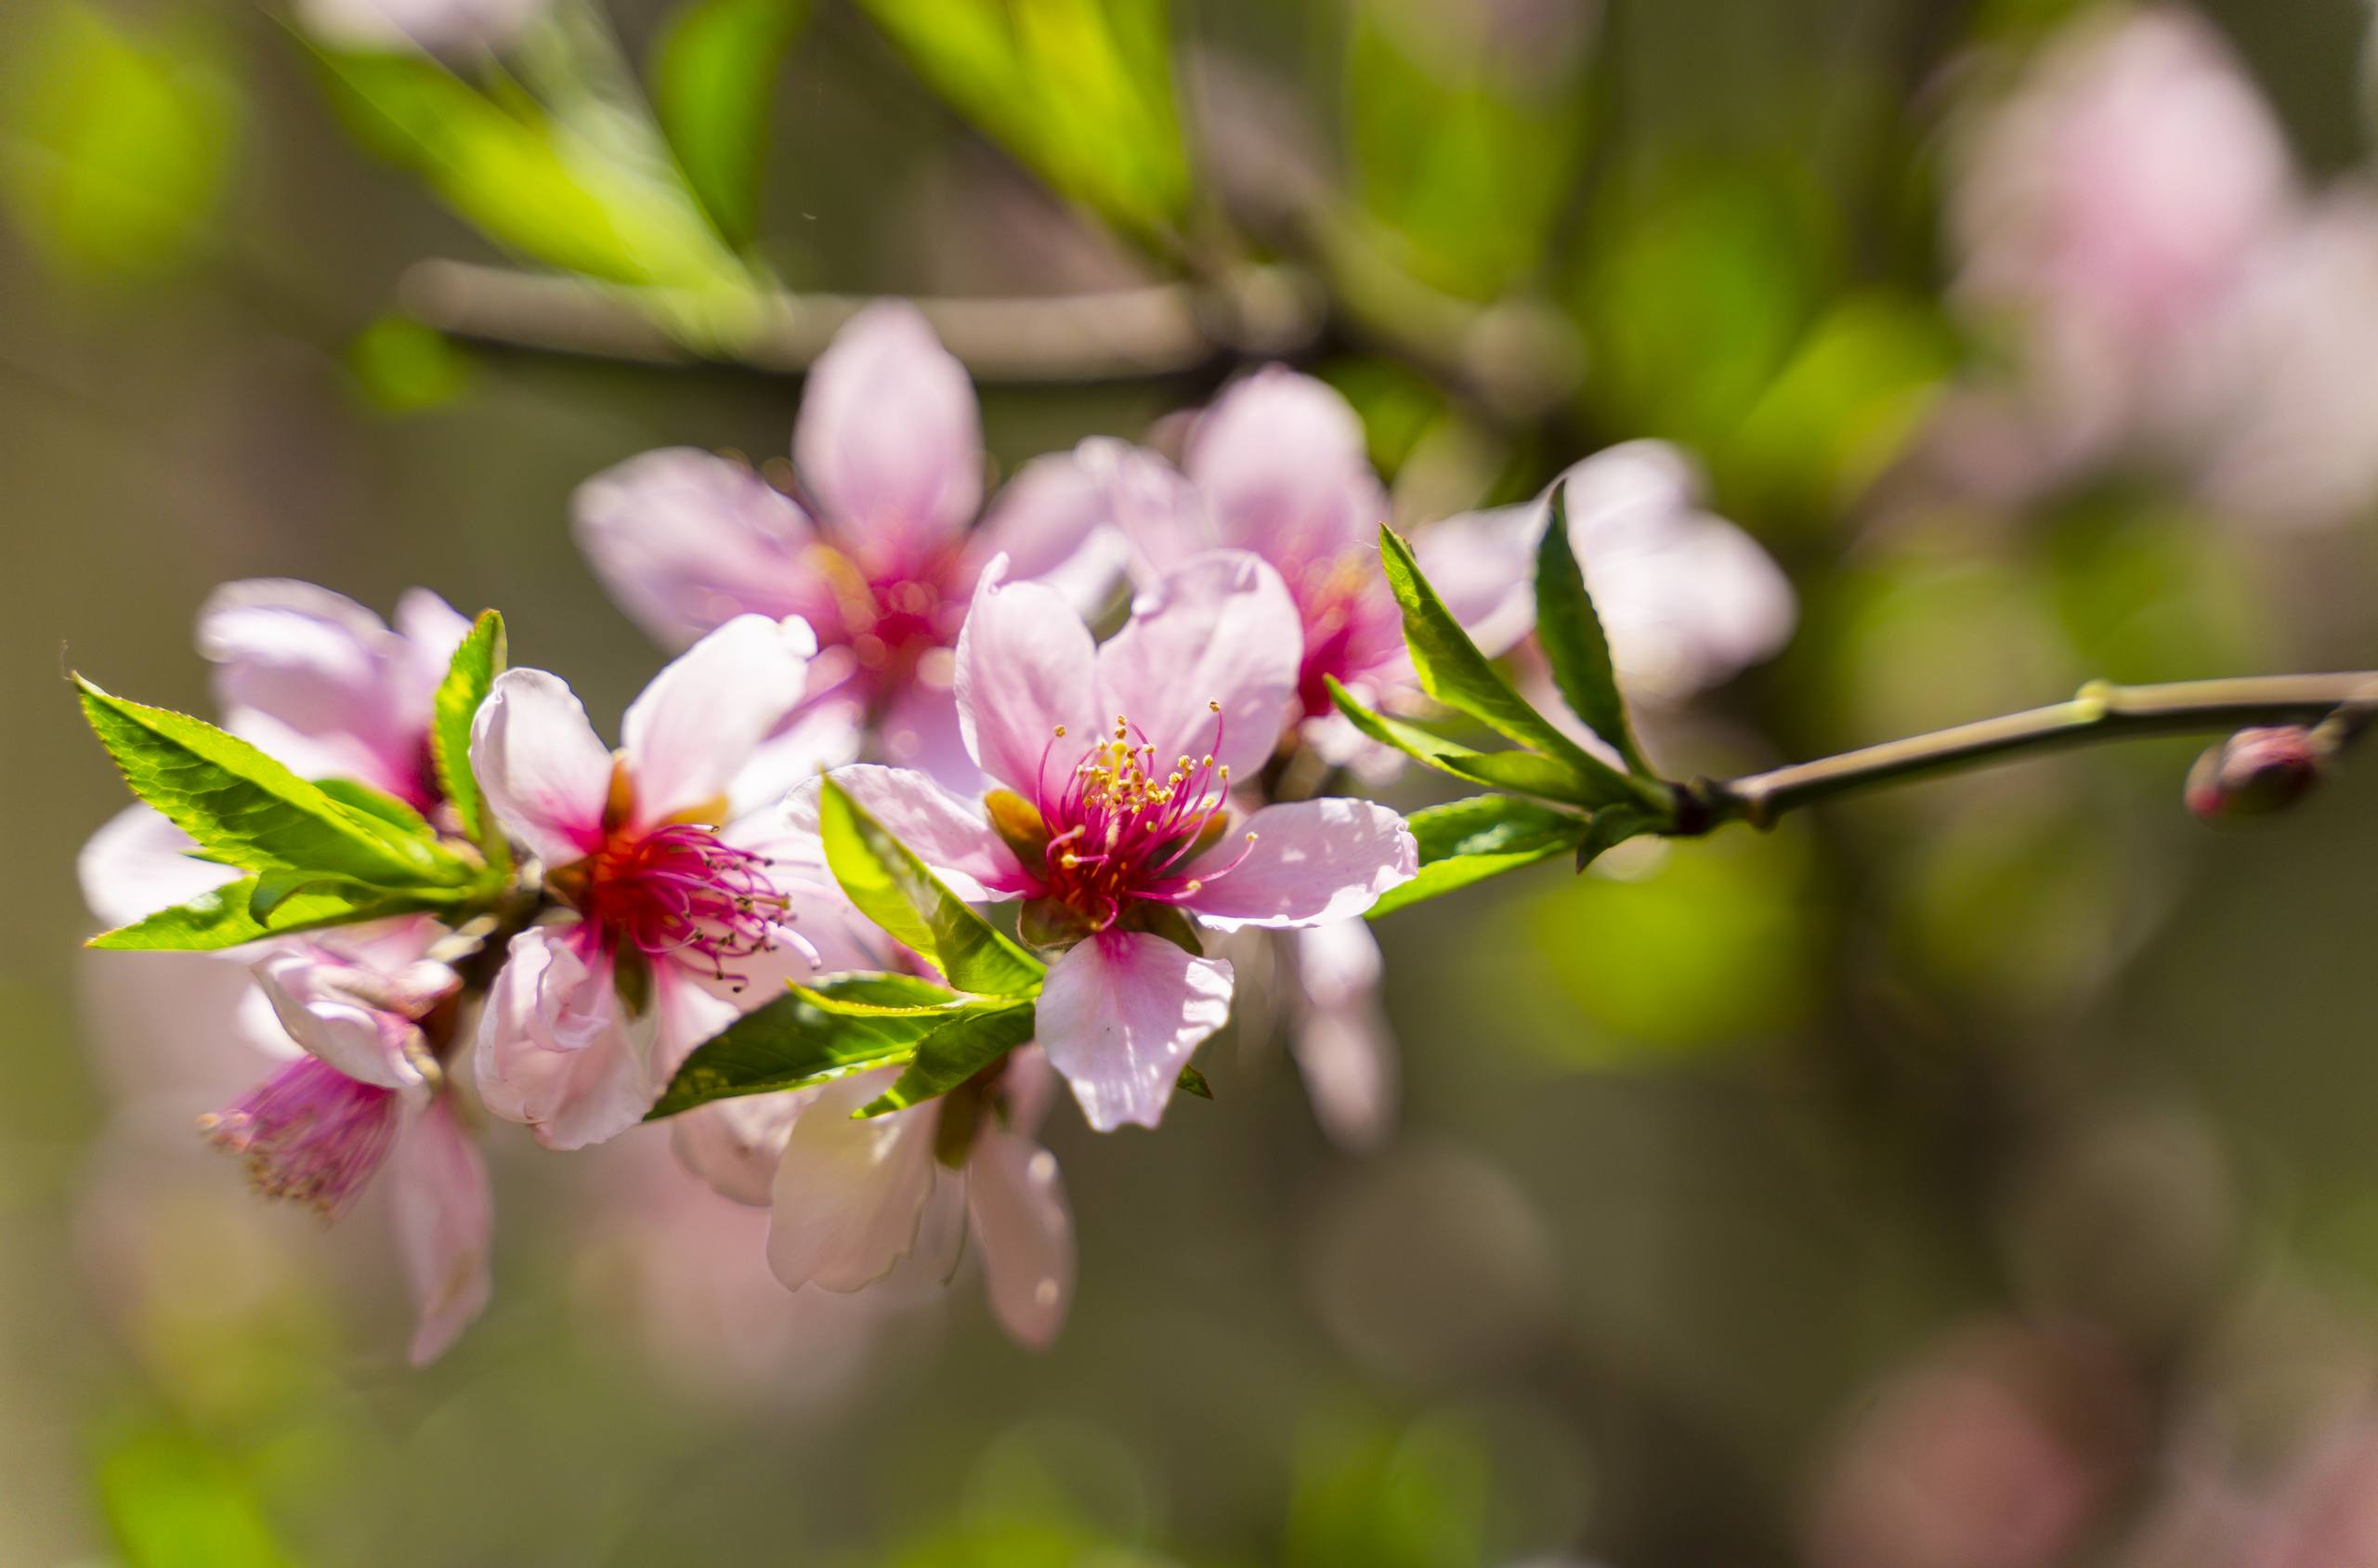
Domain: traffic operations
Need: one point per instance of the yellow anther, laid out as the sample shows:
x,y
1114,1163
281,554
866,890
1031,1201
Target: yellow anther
x,y
1213,707
1194,885
1060,732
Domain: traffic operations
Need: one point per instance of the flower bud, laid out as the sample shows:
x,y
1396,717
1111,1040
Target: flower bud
x,y
2255,772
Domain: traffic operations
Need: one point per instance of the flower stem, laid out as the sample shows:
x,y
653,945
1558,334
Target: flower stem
x,y
2102,710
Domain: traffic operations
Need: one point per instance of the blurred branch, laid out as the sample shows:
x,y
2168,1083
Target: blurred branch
x,y
1165,329
2102,712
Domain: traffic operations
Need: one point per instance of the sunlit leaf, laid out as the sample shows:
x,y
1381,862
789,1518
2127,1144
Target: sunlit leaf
x,y
469,676
251,812
116,144
1524,772
1080,90
235,913
1467,842
172,1502
713,72
893,888
1575,644
793,1042
956,1051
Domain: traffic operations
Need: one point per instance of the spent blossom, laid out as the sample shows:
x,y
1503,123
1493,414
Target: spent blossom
x,y
679,887
368,1013
1111,812
875,555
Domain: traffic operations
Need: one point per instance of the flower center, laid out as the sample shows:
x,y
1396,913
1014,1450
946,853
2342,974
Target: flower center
x,y
889,618
1345,609
676,893
308,1132
1122,827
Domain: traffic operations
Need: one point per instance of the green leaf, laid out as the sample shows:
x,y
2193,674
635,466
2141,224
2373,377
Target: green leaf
x,y
714,70
172,1501
956,1051
402,819
1470,840
247,810
793,1042
116,143
562,195
1524,772
1079,90
1573,641
935,1001
1609,828
477,662
1192,1081
893,888
244,911
1454,671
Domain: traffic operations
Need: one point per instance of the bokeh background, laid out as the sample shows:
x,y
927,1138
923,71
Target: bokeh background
x,y
1981,1177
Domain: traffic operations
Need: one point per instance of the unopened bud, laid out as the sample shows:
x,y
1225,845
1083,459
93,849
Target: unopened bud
x,y
2255,772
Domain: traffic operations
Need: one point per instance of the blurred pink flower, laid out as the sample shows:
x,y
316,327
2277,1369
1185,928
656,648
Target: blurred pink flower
x,y
444,27
1994,1450
2325,1514
855,1197
687,886
1340,1036
365,1090
876,557
1112,770
2108,207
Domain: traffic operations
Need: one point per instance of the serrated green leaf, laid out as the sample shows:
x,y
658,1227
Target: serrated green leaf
x,y
1466,841
1522,771
1575,644
935,1001
956,1051
893,888
1453,671
380,806
226,917
248,811
714,70
792,1041
469,676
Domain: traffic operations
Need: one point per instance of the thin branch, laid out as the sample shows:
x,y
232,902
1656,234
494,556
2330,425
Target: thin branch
x,y
2102,712
1160,330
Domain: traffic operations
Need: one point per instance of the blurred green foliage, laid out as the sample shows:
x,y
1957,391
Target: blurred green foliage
x,y
118,141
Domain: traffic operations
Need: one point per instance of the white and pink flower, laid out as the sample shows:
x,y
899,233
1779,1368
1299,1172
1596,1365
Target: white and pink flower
x,y
684,887
877,556
369,1012
855,1198
1111,811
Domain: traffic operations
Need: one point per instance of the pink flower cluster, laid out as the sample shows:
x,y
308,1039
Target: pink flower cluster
x,y
846,616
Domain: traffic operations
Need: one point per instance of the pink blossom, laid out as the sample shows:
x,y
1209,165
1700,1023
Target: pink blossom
x,y
1344,1049
875,555
1112,772
366,1090
683,886
2106,212
444,27
855,1197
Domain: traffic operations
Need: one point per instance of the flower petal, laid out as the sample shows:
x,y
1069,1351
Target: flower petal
x,y
919,728
546,775
948,833
1025,664
686,540
735,1143
849,1193
1017,1202
703,717
1304,862
1482,566
1219,629
556,1048
1071,520
1281,462
890,439
445,1216
138,862
316,679
1118,1016
307,988
1342,1045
